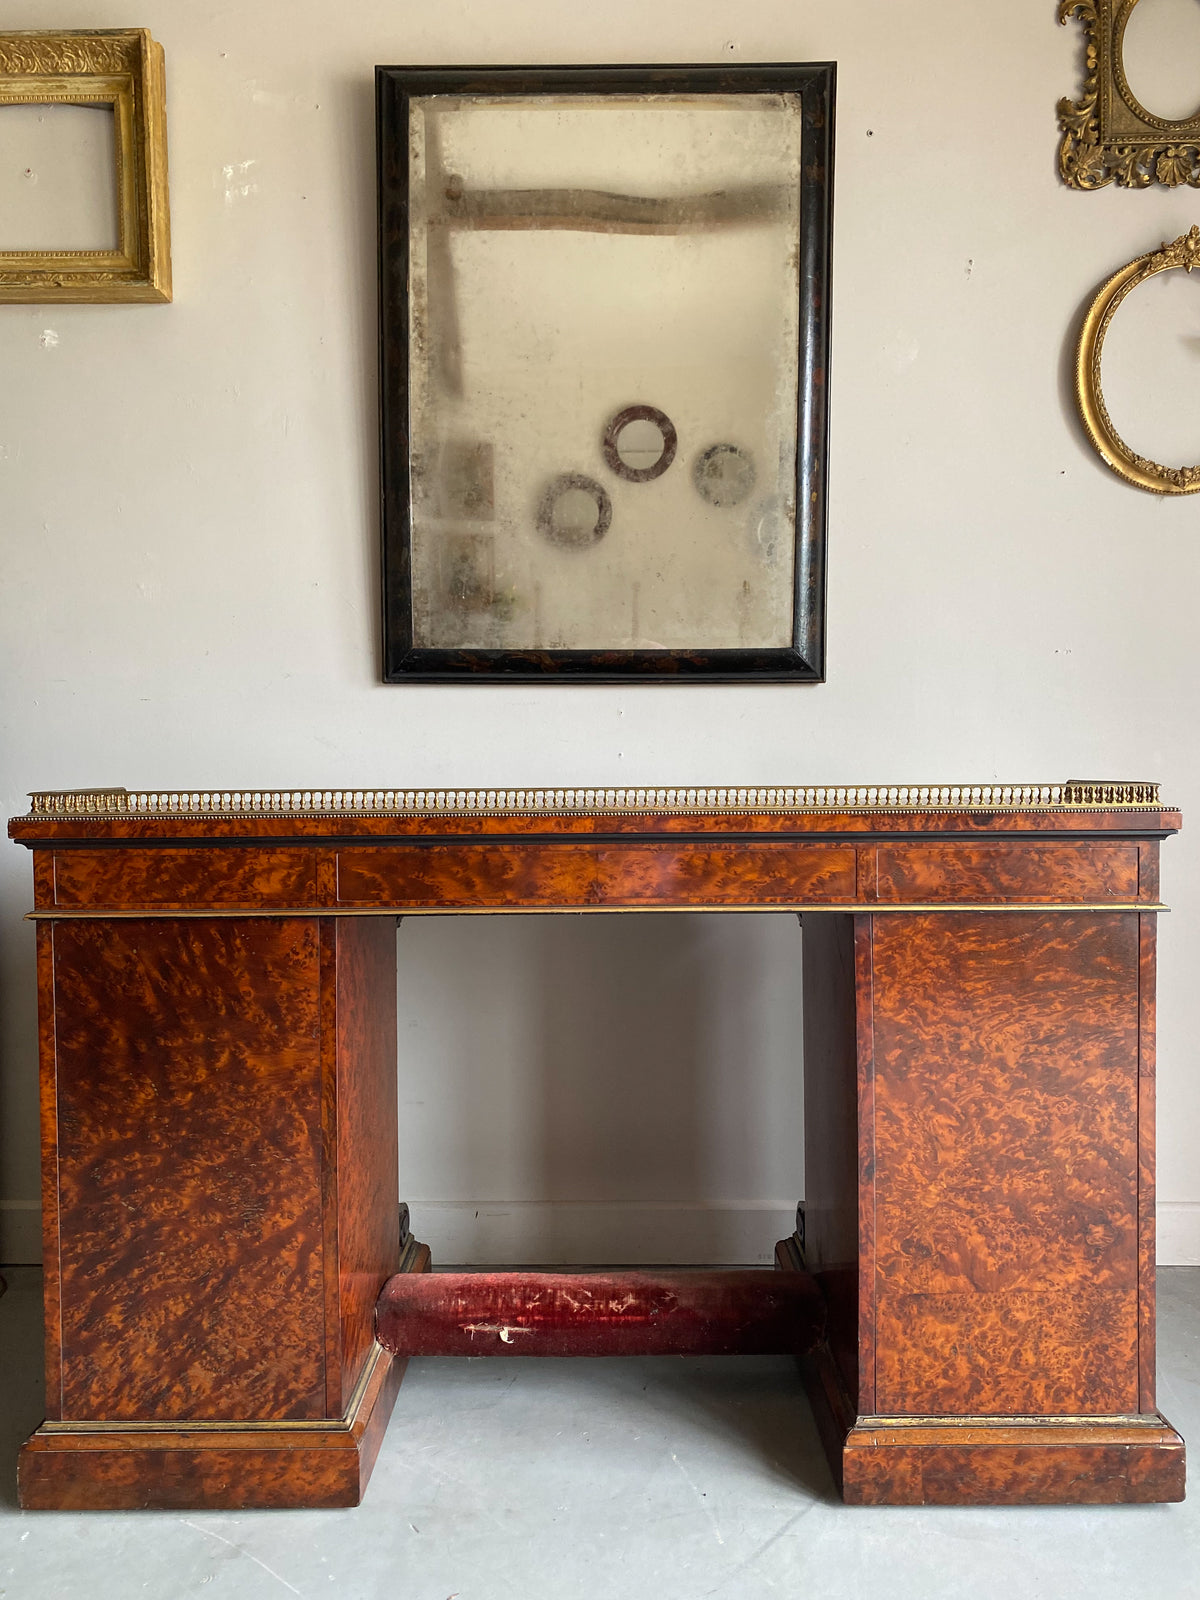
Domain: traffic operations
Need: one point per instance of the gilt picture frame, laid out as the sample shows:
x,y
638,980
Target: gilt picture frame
x,y
1108,135
121,68
604,303
1183,254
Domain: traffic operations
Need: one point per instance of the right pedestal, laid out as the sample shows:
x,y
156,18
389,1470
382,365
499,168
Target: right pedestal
x,y
980,1206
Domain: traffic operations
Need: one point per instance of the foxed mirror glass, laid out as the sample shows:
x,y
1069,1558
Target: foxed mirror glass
x,y
604,298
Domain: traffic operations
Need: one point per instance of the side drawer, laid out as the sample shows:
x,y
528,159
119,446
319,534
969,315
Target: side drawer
x,y
993,873
160,880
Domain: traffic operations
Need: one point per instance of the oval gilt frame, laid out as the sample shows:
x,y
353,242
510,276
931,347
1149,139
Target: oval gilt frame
x,y
1126,463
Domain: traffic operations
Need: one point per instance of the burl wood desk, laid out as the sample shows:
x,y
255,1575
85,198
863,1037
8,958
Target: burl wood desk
x,y
218,1074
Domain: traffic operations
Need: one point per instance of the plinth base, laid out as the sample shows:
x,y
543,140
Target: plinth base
x,y
246,1466
993,1461
1000,1461
220,1466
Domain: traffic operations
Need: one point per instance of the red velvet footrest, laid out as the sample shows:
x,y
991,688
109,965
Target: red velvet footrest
x,y
752,1312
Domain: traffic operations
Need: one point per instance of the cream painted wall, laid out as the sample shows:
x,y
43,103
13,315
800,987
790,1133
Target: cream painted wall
x,y
188,518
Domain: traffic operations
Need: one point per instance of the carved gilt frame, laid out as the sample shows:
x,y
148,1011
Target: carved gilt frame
x,y
1135,469
121,67
1108,135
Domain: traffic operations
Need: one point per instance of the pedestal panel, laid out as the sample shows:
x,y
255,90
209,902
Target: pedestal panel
x,y
188,1154
220,1151
1005,1157
1004,1315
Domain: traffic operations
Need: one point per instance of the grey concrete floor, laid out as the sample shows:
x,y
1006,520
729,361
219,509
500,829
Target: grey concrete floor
x,y
664,1479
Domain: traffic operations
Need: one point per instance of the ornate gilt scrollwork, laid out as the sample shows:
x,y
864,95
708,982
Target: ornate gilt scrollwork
x,y
1135,469
54,280
67,54
1108,136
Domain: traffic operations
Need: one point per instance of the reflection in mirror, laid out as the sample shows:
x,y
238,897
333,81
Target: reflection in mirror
x,y
58,188
640,444
575,511
1151,370
570,256
724,474
575,517
1161,55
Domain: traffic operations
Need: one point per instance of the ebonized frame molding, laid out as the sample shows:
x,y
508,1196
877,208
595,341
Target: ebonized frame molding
x,y
801,662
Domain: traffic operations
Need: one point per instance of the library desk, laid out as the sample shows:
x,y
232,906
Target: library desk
x,y
230,1295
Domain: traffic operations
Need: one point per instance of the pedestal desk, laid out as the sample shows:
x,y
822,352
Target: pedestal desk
x,y
975,1257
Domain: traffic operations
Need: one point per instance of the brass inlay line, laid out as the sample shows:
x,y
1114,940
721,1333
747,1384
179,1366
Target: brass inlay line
x,y
327,1425
869,1424
797,907
892,799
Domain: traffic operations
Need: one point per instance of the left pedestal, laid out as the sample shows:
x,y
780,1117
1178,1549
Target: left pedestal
x,y
219,1184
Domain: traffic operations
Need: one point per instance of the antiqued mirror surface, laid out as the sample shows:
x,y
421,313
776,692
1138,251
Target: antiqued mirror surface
x,y
608,311
572,258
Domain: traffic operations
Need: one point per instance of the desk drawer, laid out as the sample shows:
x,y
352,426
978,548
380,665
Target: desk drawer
x,y
161,880
577,876
993,873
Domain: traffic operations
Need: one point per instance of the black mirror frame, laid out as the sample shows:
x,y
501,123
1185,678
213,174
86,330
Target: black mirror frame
x,y
801,662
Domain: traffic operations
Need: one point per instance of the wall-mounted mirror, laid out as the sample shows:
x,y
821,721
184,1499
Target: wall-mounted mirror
x,y
612,286
1138,120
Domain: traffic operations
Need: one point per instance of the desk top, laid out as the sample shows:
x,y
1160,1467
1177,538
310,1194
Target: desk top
x,y
359,852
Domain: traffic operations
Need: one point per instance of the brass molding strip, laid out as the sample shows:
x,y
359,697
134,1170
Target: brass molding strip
x,y
890,799
327,1425
1113,1420
791,907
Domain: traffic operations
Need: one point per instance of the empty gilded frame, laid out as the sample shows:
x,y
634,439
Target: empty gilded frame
x,y
1135,469
1108,136
121,68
